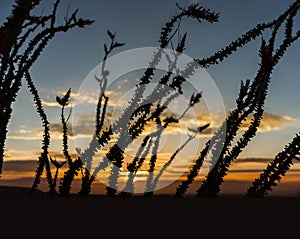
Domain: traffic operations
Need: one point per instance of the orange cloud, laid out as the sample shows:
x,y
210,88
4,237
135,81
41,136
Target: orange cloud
x,y
270,122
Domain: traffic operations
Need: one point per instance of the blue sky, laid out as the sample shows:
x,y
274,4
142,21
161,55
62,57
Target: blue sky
x,y
71,56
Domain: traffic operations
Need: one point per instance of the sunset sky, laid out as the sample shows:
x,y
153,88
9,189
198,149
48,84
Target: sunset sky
x,y
71,56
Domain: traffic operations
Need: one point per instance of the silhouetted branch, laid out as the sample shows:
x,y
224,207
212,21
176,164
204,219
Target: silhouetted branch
x,y
152,187
152,163
211,185
65,187
275,170
57,166
194,11
43,159
17,58
249,36
97,141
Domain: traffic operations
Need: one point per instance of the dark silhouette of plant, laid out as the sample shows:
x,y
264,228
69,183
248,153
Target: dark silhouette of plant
x,y
270,57
211,185
23,38
275,170
87,156
152,142
249,36
152,187
249,103
151,182
115,154
65,187
43,159
57,166
136,163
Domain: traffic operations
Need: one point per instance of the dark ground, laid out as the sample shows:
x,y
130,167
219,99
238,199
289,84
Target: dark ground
x,y
227,203
226,216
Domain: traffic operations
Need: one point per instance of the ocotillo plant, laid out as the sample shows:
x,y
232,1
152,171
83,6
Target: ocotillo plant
x,y
137,100
152,181
86,157
152,186
57,166
270,56
275,170
43,159
116,154
250,101
65,186
23,38
83,162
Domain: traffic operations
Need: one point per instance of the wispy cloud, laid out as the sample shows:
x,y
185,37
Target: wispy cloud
x,y
22,155
270,122
25,134
84,126
84,98
53,104
58,155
